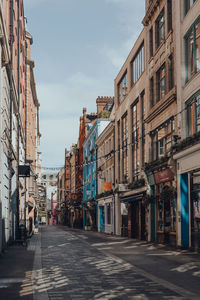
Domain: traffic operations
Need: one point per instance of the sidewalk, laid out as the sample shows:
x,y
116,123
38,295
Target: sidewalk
x,y
15,263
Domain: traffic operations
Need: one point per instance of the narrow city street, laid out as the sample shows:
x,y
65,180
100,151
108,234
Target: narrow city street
x,y
62,263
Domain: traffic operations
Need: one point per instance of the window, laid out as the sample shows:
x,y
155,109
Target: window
x,y
162,138
122,88
193,115
160,29
135,139
171,72
161,82
192,50
152,91
169,15
138,65
125,147
151,42
188,5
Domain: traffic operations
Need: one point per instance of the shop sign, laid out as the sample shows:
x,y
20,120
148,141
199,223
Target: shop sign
x,y
163,176
107,186
24,171
123,187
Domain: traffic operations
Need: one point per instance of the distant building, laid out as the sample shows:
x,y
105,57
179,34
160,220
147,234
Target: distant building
x,y
49,184
186,157
106,180
89,174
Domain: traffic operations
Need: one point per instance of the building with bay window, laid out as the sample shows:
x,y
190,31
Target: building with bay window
x,y
187,149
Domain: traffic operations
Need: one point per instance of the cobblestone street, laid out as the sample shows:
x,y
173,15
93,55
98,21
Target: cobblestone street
x,y
73,264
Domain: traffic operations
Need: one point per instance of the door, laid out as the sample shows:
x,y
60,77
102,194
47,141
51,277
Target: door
x,y
102,219
184,210
135,220
195,210
143,222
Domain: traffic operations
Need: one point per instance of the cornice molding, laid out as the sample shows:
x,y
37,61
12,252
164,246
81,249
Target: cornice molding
x,y
150,11
161,105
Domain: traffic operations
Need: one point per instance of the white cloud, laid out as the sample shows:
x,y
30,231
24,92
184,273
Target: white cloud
x,y
61,108
129,25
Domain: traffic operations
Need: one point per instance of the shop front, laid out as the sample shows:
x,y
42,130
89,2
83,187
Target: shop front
x,y
165,205
188,162
106,215
195,209
89,214
134,216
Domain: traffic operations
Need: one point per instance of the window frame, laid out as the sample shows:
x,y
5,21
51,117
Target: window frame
x,y
135,138
123,84
151,41
155,140
124,129
137,64
187,6
195,99
171,72
191,31
159,80
160,36
169,15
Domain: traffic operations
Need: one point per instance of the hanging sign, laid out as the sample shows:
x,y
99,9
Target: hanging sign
x,y
107,186
24,171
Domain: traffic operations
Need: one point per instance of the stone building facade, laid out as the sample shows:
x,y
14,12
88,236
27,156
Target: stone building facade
x,y
105,180
161,123
130,114
187,149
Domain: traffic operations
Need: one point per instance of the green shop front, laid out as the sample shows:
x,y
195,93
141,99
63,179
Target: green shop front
x,y
163,205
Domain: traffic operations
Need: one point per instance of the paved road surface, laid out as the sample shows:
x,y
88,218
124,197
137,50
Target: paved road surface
x,y
73,264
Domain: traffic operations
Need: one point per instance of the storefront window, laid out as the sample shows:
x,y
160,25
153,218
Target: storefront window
x,y
160,210
173,213
166,203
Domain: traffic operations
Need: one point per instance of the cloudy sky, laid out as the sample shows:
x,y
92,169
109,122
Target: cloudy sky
x,y
79,47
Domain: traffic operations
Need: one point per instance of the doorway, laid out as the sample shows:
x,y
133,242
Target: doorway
x,y
195,210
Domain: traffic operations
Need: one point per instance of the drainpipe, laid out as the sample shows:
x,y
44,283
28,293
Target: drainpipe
x,y
114,177
18,123
25,135
11,111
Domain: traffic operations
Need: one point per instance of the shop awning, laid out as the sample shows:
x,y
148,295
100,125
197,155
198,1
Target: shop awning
x,y
132,198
